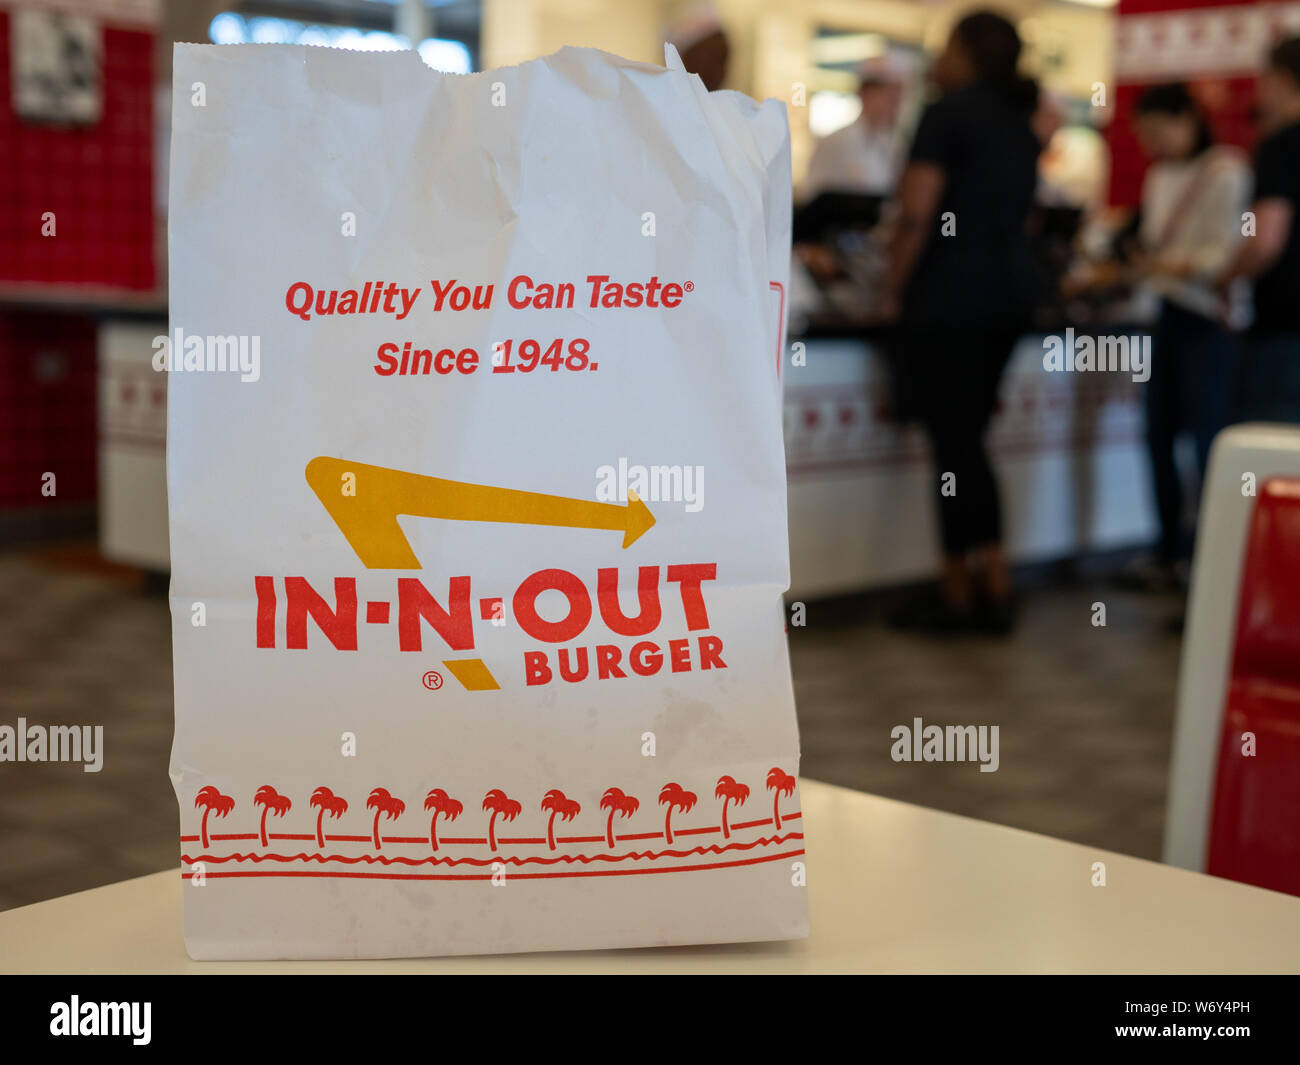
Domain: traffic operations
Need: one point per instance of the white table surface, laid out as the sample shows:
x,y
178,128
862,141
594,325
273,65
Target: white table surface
x,y
893,888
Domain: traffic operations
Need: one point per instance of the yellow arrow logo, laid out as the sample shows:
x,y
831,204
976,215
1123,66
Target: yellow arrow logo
x,y
365,501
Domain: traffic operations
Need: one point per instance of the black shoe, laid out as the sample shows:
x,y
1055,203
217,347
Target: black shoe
x,y
997,617
932,615
1150,576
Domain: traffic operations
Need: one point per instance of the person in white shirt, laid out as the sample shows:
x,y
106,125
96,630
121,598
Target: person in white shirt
x,y
1193,196
866,155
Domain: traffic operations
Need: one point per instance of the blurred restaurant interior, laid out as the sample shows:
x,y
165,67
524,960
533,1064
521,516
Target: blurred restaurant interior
x,y
1083,683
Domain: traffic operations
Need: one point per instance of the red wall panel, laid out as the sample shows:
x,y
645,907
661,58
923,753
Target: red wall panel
x,y
47,407
97,179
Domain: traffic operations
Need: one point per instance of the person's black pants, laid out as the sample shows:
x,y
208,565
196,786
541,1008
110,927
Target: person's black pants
x,y
1193,374
954,381
1268,381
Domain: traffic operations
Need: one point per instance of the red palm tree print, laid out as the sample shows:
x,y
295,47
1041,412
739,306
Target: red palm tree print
x,y
616,803
729,791
383,803
781,783
500,803
674,796
213,802
329,803
558,803
271,802
440,803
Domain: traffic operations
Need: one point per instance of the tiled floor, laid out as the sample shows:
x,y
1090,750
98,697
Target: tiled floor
x,y
1084,717
84,646
1084,713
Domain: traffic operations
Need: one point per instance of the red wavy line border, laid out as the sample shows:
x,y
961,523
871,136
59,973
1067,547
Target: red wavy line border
x,y
382,859
488,876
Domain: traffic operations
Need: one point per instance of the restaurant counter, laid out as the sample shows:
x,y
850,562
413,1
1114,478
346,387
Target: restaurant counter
x,y
1067,447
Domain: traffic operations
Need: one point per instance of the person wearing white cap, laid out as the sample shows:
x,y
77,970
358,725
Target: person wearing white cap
x,y
701,41
866,155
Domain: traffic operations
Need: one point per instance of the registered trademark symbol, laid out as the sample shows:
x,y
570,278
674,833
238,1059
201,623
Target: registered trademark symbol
x,y
433,680
689,286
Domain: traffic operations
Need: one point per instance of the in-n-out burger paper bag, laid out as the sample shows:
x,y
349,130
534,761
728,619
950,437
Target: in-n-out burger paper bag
x,y
478,513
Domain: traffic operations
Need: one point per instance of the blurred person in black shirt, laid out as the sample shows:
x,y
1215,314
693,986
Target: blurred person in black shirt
x,y
961,285
1269,383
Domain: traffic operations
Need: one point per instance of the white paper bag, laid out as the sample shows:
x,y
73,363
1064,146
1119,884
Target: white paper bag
x,y
477,503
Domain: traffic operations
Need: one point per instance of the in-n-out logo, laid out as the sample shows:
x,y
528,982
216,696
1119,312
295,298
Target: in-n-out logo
x,y
364,502
289,603
75,1017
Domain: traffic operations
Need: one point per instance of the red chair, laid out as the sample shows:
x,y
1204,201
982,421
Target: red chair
x,y
1233,805
1255,826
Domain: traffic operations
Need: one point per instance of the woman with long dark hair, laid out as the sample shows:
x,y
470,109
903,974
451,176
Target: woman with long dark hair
x,y
1193,196
962,284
